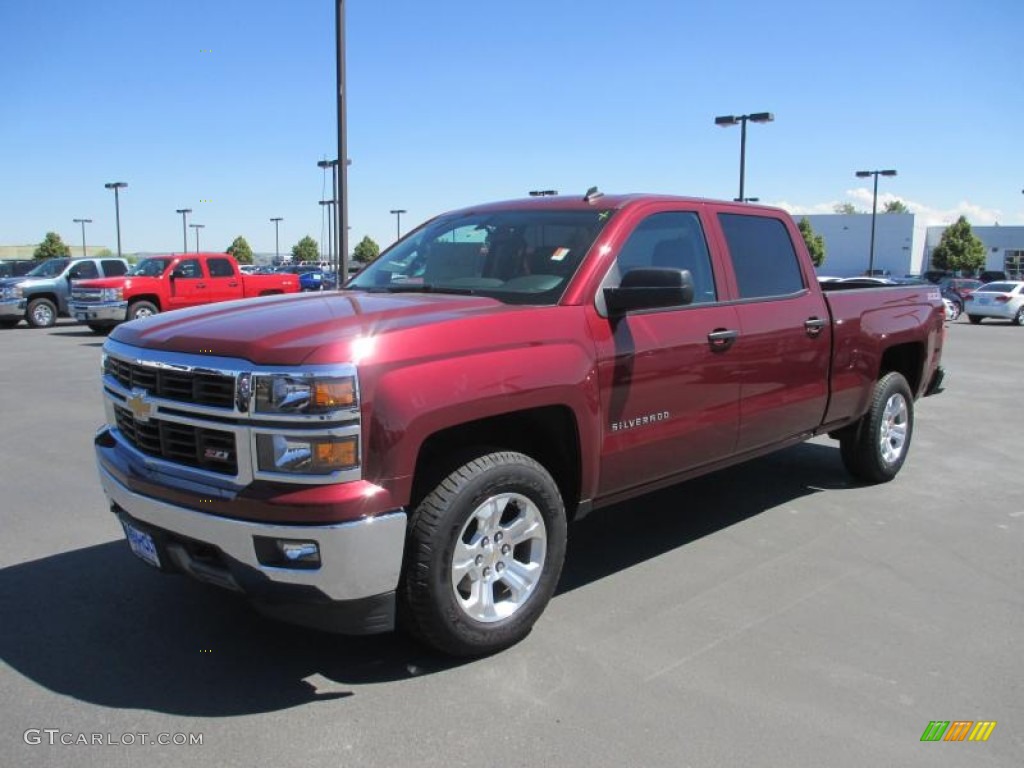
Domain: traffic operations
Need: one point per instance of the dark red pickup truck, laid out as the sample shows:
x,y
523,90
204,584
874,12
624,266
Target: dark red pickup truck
x,y
416,444
176,281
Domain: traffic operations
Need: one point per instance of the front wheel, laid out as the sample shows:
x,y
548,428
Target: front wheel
x,y
141,309
41,313
483,556
875,449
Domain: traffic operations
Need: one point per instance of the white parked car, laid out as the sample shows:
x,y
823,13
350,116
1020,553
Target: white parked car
x,y
1003,300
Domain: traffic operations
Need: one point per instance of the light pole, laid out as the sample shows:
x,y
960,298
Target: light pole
x,y
116,185
341,194
330,237
197,227
543,192
754,117
184,226
874,211
332,212
83,222
398,221
277,241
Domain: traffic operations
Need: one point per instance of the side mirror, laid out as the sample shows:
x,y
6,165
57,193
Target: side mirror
x,y
650,288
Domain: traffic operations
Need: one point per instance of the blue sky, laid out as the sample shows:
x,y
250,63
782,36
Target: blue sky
x,y
225,107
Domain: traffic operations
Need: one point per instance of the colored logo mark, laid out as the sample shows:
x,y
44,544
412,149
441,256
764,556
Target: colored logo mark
x,y
958,730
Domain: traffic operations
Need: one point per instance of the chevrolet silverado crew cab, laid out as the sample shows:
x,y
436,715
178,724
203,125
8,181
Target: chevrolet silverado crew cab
x,y
41,296
160,283
414,446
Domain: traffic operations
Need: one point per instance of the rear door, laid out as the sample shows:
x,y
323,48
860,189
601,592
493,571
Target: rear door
x,y
188,285
669,390
225,284
785,333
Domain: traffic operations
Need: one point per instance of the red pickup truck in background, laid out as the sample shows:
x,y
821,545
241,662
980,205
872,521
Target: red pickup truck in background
x,y
161,283
415,445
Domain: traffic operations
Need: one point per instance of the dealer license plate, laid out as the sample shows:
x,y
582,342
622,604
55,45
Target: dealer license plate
x,y
81,316
141,544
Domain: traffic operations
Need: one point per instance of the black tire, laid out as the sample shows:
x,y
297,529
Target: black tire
x,y
439,612
102,330
958,309
9,322
975,320
1019,317
867,453
139,309
41,313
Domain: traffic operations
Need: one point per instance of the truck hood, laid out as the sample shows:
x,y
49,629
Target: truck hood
x,y
6,281
115,282
289,330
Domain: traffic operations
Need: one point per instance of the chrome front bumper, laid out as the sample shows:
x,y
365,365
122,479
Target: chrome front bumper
x,y
360,559
12,308
106,312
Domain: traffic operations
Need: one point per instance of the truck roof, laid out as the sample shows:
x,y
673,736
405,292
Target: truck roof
x,y
604,201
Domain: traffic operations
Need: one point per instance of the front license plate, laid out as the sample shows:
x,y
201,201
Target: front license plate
x,y
81,316
142,544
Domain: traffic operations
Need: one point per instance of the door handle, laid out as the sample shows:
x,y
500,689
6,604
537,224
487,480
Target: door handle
x,y
200,285
721,339
814,326
233,284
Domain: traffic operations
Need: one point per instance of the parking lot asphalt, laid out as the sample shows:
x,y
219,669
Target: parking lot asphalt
x,y
775,613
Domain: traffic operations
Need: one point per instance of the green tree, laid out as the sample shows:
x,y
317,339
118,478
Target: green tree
x,y
103,253
51,247
306,250
366,251
896,206
844,208
815,242
959,249
240,249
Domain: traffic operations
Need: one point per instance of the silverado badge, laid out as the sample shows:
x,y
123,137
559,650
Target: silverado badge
x,y
139,405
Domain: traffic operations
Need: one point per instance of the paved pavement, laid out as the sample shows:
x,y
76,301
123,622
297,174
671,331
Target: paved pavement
x,y
772,614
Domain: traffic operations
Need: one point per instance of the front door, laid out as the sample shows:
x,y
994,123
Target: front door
x,y
189,286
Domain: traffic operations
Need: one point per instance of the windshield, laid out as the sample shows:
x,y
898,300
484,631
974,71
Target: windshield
x,y
149,267
49,268
515,256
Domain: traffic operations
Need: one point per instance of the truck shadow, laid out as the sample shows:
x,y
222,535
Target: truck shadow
x,y
97,625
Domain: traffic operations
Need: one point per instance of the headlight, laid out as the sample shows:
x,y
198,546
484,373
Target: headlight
x,y
112,294
306,455
284,393
18,292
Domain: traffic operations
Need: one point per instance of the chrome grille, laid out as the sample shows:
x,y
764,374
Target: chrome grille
x,y
184,386
210,449
86,294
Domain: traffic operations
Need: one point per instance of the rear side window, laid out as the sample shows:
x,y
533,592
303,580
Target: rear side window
x,y
672,239
220,268
762,254
84,270
113,267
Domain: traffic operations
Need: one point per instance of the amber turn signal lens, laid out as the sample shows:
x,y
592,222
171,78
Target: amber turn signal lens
x,y
335,454
337,393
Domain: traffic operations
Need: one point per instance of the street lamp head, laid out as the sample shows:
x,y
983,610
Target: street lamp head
x,y
82,221
183,210
326,163
398,210
277,218
543,192
726,120
863,174
888,173
762,117
326,202
116,185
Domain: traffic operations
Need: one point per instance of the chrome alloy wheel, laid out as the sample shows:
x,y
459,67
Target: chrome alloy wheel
x,y
142,312
499,557
893,429
42,315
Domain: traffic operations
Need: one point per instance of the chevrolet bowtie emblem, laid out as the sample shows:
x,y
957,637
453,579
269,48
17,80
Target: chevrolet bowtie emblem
x,y
140,407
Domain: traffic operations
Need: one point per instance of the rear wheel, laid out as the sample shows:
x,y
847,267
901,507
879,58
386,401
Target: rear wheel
x,y
875,449
141,309
1019,317
975,320
484,554
41,313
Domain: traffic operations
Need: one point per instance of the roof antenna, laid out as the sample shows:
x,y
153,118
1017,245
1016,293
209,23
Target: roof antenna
x,y
592,195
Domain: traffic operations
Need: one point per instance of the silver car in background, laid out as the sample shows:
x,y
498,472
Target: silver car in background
x,y
1003,301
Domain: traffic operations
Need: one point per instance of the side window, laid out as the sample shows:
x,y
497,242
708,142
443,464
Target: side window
x,y
84,270
671,239
188,268
220,268
762,255
113,267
